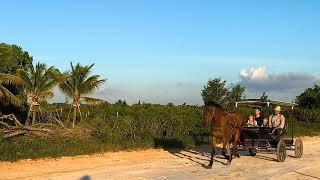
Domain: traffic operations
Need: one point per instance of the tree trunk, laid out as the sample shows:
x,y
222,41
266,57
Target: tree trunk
x,y
30,113
74,116
67,122
34,117
27,123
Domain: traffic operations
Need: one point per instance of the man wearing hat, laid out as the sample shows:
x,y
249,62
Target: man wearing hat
x,y
277,122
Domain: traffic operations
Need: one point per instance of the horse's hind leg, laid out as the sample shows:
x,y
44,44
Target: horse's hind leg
x,y
229,154
236,143
213,152
224,154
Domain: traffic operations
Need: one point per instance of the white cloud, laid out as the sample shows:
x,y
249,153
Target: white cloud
x,y
259,73
285,86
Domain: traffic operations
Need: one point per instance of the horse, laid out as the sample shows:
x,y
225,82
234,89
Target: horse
x,y
224,126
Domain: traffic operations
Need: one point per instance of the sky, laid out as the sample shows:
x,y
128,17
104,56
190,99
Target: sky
x,y
163,51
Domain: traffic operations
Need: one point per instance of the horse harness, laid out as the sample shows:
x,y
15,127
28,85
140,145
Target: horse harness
x,y
229,116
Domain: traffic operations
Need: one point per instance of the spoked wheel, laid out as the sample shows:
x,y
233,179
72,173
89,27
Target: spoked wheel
x,y
252,152
281,151
298,148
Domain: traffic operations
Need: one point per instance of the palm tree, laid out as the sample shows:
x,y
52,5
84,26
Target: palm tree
x,y
38,86
76,84
5,95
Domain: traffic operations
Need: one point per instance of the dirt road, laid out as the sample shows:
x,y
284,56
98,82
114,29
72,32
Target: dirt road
x,y
161,164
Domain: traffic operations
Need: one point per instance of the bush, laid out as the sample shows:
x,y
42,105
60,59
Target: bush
x,y
141,125
116,127
307,115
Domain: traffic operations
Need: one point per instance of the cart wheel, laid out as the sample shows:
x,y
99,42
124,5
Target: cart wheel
x,y
298,148
281,151
252,152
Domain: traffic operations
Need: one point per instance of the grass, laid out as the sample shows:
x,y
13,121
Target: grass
x,y
36,148
304,129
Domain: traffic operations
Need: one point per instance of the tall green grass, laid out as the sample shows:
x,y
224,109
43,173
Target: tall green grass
x,y
303,129
35,148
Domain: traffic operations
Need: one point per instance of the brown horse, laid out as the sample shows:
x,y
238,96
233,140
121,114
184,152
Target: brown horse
x,y
224,126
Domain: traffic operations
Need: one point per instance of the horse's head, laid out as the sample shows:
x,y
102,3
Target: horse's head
x,y
208,114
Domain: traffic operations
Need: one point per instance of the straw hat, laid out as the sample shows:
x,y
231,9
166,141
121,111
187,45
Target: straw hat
x,y
278,108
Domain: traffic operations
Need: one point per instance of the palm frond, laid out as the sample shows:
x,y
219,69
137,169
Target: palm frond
x,y
22,98
7,96
25,77
78,81
90,87
10,79
92,101
45,94
67,88
38,81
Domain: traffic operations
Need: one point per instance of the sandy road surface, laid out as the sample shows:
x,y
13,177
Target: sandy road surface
x,y
161,164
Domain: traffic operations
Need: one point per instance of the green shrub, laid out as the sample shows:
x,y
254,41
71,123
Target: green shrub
x,y
303,129
142,125
307,115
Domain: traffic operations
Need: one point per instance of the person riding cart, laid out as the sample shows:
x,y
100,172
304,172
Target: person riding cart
x,y
258,117
277,123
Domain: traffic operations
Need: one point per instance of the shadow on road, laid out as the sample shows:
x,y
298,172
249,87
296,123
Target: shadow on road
x,y
201,154
306,175
86,177
262,157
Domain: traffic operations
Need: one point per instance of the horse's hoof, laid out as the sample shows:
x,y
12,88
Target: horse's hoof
x,y
209,167
228,163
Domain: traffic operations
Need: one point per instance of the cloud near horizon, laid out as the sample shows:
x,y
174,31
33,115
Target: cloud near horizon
x,y
285,86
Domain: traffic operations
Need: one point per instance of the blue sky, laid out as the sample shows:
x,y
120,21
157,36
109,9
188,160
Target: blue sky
x,y
164,51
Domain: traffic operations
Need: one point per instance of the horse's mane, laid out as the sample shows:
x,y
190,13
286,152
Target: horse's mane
x,y
211,103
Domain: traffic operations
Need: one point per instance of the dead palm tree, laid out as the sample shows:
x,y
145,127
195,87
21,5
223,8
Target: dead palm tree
x,y
78,83
38,85
5,95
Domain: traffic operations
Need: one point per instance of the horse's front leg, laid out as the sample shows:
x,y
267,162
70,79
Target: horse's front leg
x,y
213,152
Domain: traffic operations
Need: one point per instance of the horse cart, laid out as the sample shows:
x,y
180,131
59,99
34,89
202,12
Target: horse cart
x,y
260,139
